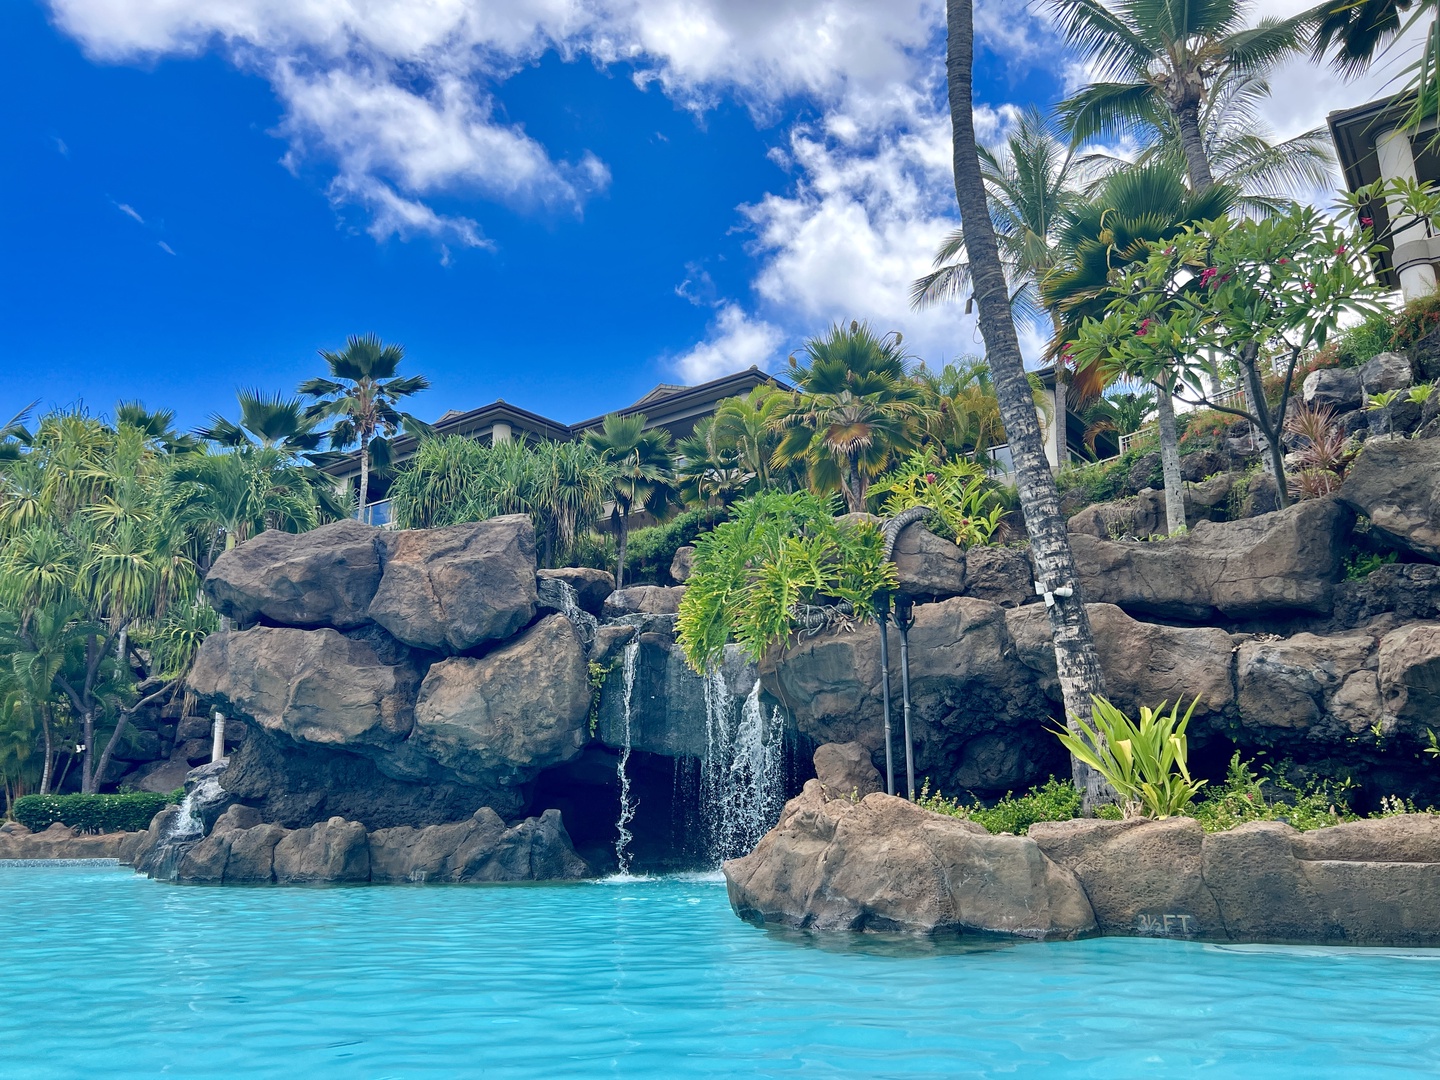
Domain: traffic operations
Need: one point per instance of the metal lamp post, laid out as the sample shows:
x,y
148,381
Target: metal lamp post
x,y
904,619
882,616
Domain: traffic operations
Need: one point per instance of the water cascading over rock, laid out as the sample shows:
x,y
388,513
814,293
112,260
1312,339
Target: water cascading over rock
x,y
742,788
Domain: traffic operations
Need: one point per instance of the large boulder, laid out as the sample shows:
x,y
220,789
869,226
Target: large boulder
x,y
451,589
316,687
325,577
643,600
1332,388
591,586
1292,682
481,848
845,770
885,864
1142,663
977,710
1141,877
682,565
1285,561
63,842
1396,483
1409,676
928,566
1409,590
499,719
1003,575
334,851
1386,371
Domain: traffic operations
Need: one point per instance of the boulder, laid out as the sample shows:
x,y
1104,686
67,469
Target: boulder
x,y
1262,892
325,577
591,586
451,589
162,776
929,567
314,686
479,849
1396,483
1141,877
1002,575
682,564
1409,676
1409,590
1333,388
977,710
63,842
334,852
609,642
1386,371
1140,515
1425,355
885,864
498,720
845,771
1291,683
1407,838
643,600
1142,663
1286,561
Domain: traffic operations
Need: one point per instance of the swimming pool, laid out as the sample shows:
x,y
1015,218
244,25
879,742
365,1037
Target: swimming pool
x,y
109,974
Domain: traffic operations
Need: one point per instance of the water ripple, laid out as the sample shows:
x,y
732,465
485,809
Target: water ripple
x,y
110,975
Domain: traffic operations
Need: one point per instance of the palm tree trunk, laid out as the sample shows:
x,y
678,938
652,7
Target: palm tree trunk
x,y
87,774
622,537
1197,165
49,769
364,475
1075,661
1170,459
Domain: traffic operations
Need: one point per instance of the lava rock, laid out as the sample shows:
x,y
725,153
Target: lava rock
x,y
1409,675
591,586
1409,590
845,771
885,864
1333,388
1396,483
683,564
479,849
1286,561
643,600
1290,683
334,851
927,566
1003,575
1386,371
498,720
325,577
454,588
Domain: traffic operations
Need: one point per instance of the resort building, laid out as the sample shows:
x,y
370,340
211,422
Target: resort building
x,y
672,408
1371,146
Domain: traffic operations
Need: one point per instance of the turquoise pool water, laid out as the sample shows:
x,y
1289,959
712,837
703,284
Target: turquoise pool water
x,y
107,974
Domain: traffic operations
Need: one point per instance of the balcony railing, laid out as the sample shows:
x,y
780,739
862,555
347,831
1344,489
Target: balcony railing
x,y
378,514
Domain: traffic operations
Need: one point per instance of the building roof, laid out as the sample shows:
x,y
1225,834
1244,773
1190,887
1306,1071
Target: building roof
x,y
675,408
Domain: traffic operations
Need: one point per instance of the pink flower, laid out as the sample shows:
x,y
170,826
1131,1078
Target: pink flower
x,y
929,478
1207,274
1367,221
1144,328
1283,261
1340,250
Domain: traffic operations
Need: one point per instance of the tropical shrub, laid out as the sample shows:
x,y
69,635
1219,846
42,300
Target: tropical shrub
x,y
93,813
1242,797
963,504
651,550
1145,762
1053,800
782,561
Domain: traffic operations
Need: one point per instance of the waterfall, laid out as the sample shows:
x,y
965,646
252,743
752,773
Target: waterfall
x,y
584,623
186,827
743,775
623,836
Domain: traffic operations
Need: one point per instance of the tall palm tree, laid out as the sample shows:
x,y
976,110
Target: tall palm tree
x,y
1075,660
1132,210
1167,54
710,471
266,420
1239,146
362,395
1030,183
641,480
15,436
157,427
852,414
749,424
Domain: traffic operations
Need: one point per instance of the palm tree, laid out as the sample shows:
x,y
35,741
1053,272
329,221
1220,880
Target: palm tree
x,y
157,427
1166,54
749,424
1238,145
851,415
641,481
1075,660
362,394
1121,413
15,436
266,420
232,496
1030,185
1362,30
710,472
1132,210
571,483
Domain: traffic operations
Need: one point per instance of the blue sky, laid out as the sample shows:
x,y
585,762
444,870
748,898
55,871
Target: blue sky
x,y
555,203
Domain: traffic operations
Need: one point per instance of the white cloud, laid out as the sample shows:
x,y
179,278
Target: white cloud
x,y
735,341
165,247
130,212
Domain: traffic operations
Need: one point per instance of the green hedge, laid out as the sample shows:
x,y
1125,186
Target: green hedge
x,y
93,813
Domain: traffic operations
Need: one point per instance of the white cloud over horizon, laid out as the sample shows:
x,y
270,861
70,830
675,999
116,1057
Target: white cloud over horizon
x,y
396,101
